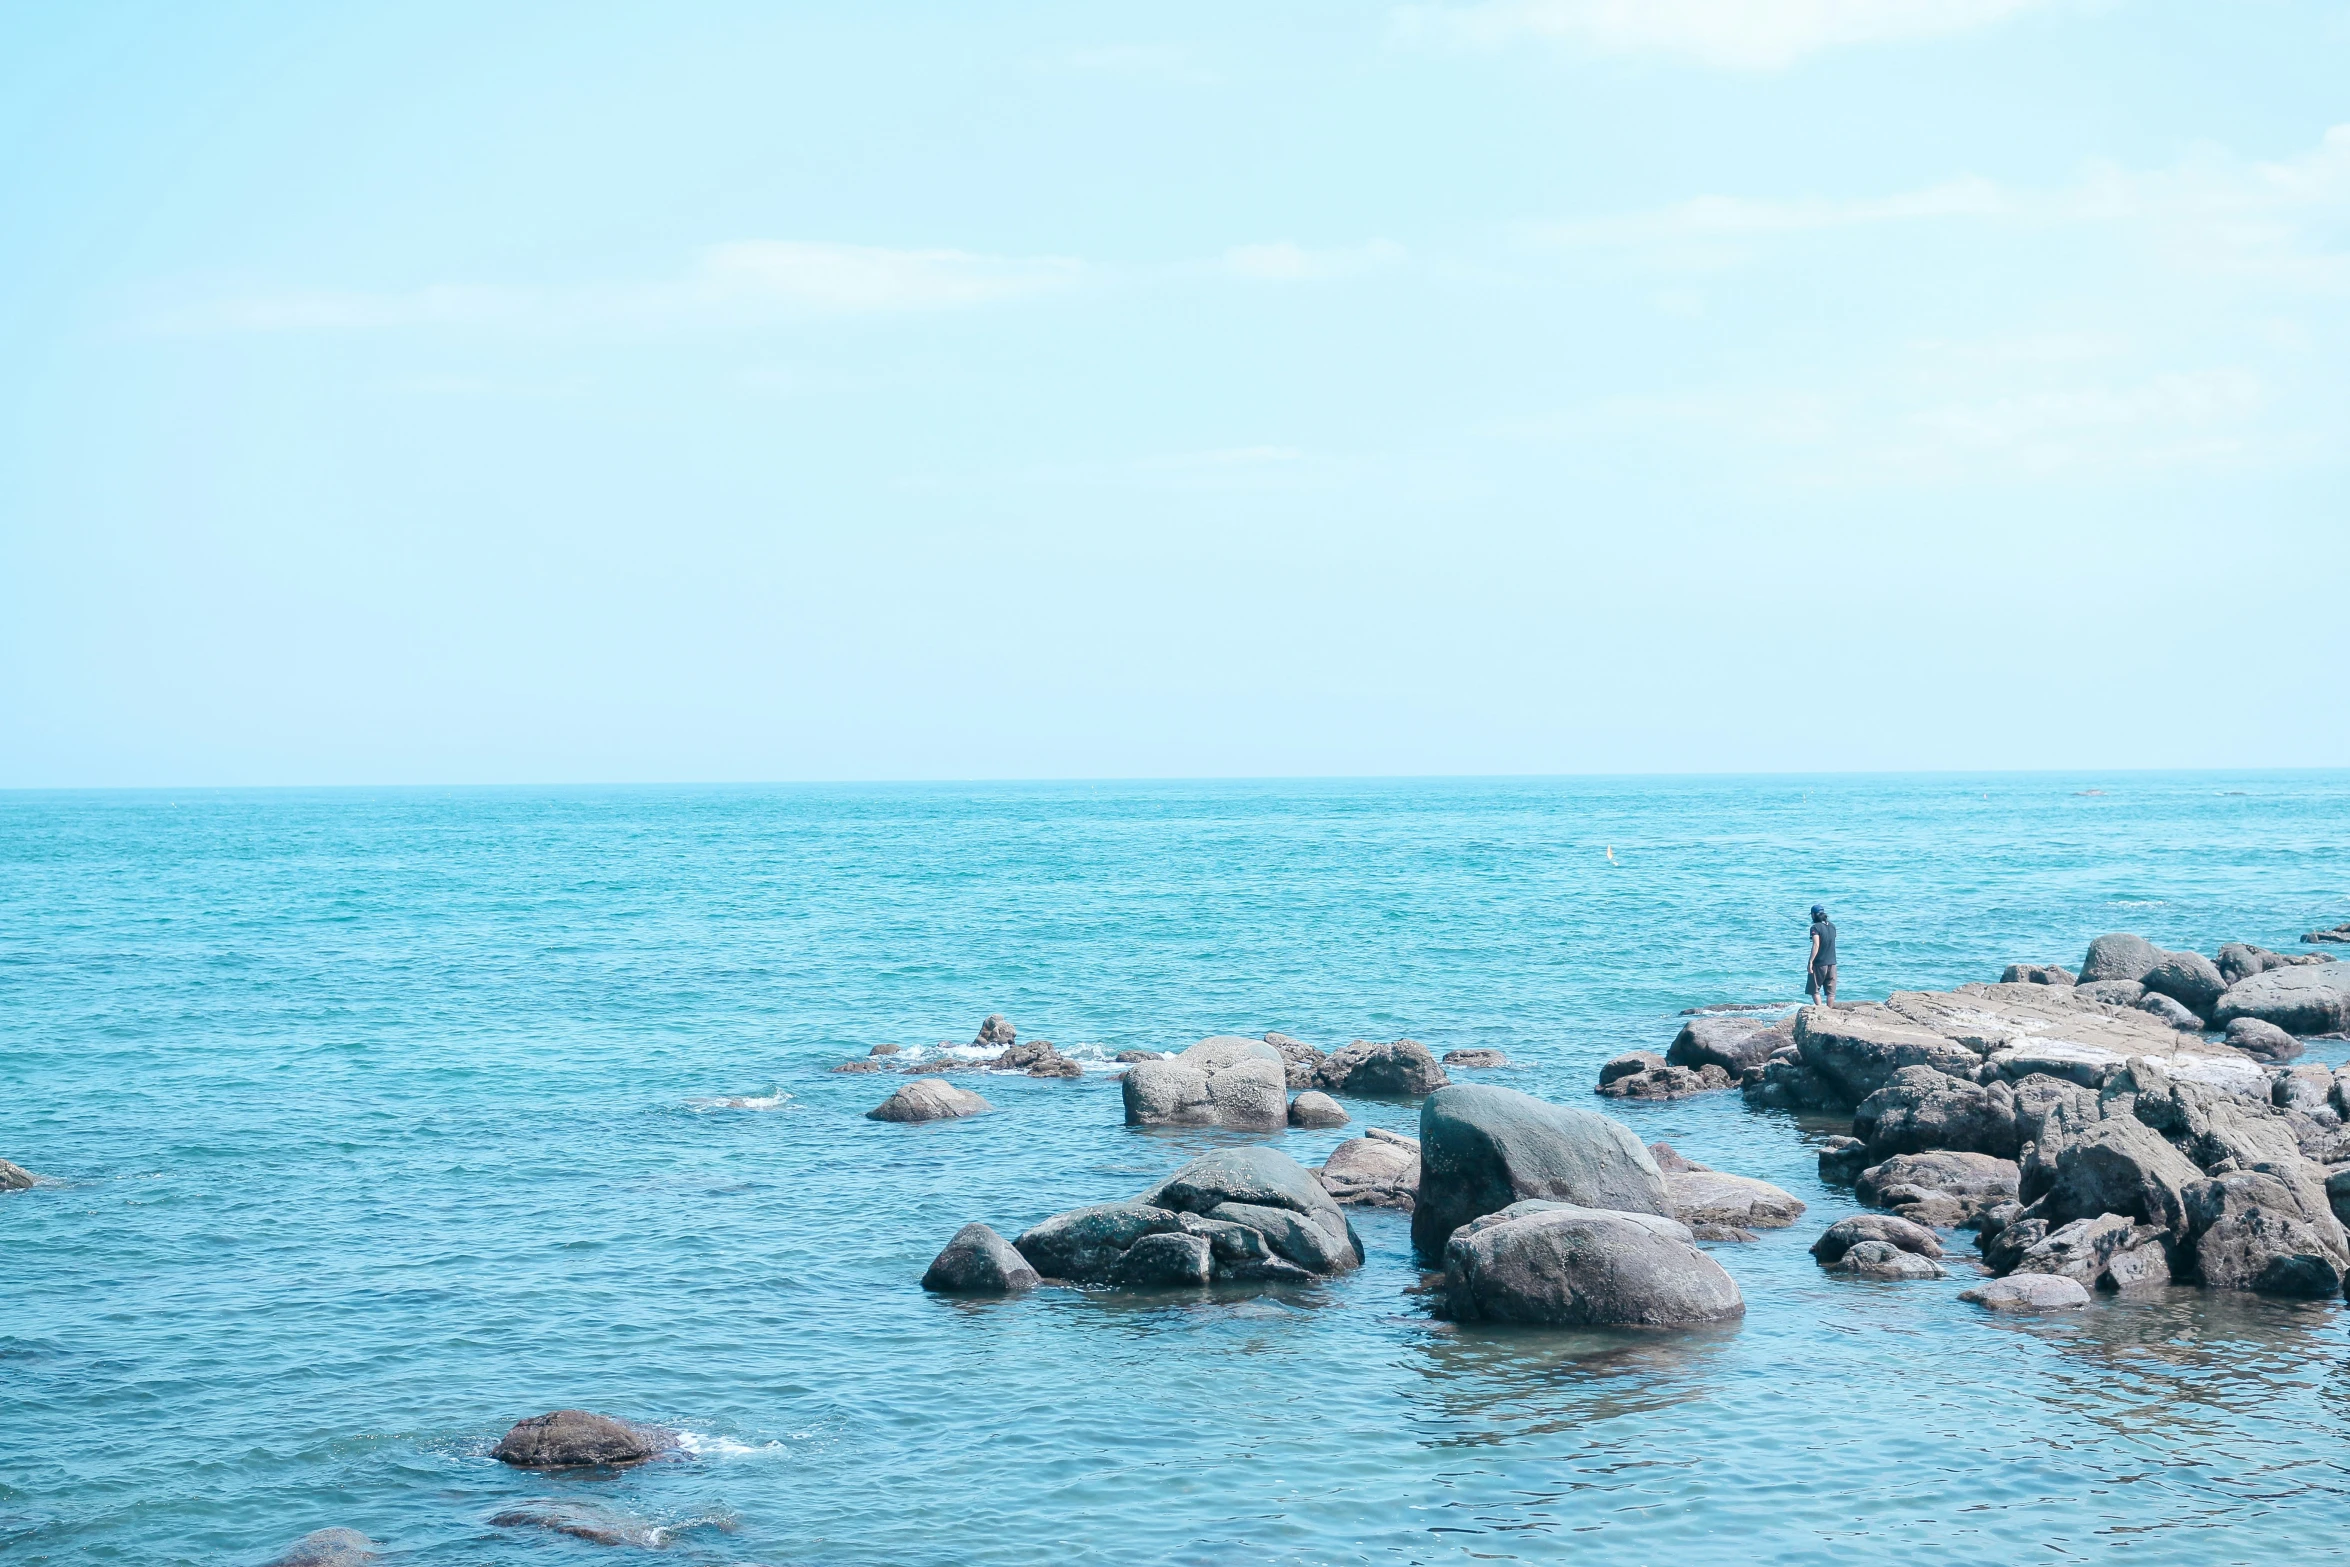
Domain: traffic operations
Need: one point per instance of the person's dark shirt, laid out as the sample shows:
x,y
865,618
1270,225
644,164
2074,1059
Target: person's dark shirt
x,y
1826,931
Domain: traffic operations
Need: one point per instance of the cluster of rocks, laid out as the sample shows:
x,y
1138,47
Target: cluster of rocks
x,y
15,1177
1712,1051
1243,1084
1036,1058
1239,1215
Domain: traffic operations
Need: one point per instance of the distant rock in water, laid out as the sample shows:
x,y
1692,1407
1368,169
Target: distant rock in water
x,y
1037,1058
1314,1109
1643,1074
576,1439
2029,1292
884,1050
1130,1057
1379,1170
327,1548
598,1524
1555,1264
2338,933
1483,1148
1226,1081
2037,974
2310,998
1477,1058
997,1030
978,1261
15,1177
929,1099
1727,1041
1298,1059
1398,1069
866,1065
2119,956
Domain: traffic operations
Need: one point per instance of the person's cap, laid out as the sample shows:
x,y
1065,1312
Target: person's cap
x,y
1819,911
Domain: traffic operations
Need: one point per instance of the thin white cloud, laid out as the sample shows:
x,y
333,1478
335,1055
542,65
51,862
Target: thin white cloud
x,y
746,282
1283,261
1733,34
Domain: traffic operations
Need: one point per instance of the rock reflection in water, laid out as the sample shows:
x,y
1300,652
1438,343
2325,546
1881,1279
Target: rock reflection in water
x,y
1491,1385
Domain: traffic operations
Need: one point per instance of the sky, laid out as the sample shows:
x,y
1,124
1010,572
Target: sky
x,y
543,393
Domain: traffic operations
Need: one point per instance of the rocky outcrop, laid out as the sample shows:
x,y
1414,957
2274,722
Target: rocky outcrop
x,y
2107,1252
1237,1215
2029,1292
929,1099
2119,957
1920,1108
1379,1170
2037,974
1398,1069
2268,1229
1940,1188
2189,978
1037,1058
2241,960
15,1177
996,1032
1730,1042
2310,998
2120,1166
327,1548
1298,1059
978,1261
1477,1059
576,1439
2337,933
1709,1198
1225,1081
1313,1110
1886,1263
1661,1081
1483,1148
1560,1265
1883,1228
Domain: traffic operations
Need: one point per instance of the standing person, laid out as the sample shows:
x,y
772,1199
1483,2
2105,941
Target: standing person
x,y
1820,978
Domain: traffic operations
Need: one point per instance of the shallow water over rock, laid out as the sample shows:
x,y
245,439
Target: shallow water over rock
x,y
373,1122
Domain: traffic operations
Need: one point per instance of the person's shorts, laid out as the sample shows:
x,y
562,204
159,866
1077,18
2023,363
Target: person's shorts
x,y
1823,979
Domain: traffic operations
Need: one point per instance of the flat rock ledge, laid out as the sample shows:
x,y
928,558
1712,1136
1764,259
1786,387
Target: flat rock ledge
x,y
929,1099
577,1439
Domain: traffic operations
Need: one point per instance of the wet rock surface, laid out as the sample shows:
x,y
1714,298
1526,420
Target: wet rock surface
x,y
978,1261
1397,1069
327,1548
1234,1216
1380,1170
1483,1148
929,1099
1560,1265
1225,1081
577,1439
2029,1292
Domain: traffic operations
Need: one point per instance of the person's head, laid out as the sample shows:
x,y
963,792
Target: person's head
x,y
1819,912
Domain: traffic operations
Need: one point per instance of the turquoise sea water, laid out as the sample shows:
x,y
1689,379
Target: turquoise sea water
x,y
378,1120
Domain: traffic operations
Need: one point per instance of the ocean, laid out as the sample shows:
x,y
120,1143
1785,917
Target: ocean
x,y
376,1120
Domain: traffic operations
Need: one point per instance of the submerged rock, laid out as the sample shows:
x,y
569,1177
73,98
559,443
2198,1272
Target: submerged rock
x,y
1381,1170
327,1548
15,1177
1314,1109
576,1439
978,1261
929,1099
1483,1148
1399,1069
1226,1081
1559,1265
2029,1292
1475,1058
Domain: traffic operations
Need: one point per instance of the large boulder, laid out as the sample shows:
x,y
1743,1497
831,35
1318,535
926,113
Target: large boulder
x,y
929,1099
2260,1040
1236,1215
1710,1198
978,1261
1920,1108
2109,1251
327,1548
2189,978
1940,1188
2119,1165
1398,1069
2120,957
1845,1234
1483,1148
1314,1110
1083,1245
1731,1043
2311,998
15,1177
1380,1170
2269,1229
1298,1059
576,1439
1560,1265
1225,1081
2029,1292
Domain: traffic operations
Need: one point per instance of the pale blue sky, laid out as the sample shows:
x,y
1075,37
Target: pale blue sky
x,y
446,393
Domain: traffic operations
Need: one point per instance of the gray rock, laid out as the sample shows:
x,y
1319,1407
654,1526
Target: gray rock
x,y
1226,1081
1630,1063
997,1030
1559,1265
1920,1108
2029,1292
1885,1261
1164,1260
1313,1109
884,1050
1666,1082
2338,1192
2338,933
2312,998
929,1099
1265,1190
327,1548
867,1065
1318,1247
2155,1004
1710,1197
2189,978
576,1439
2123,1166
2269,1230
1130,1057
594,1522
1083,1245
1298,1059
1842,1159
2006,1245
1940,1188
2211,1126
2110,992
1785,1083
2119,957
2240,960
15,1177
1673,1162
1398,1069
1845,1234
1729,1042
1378,1171
2261,1041
2308,1089
978,1261
2037,974
1858,1048
1475,1058
1483,1148
2109,1252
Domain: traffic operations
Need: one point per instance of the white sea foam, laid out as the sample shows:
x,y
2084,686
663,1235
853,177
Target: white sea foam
x,y
703,1444
774,1099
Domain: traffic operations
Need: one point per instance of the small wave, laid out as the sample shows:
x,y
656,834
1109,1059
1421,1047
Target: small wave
x,y
703,1444
774,1099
